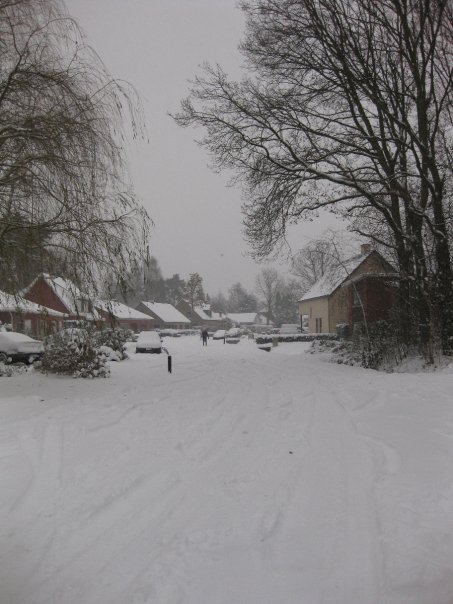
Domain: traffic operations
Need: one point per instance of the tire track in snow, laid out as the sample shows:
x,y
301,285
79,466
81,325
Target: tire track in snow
x,y
363,534
124,522
324,520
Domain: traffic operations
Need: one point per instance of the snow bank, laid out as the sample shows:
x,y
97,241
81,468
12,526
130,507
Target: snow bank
x,y
242,477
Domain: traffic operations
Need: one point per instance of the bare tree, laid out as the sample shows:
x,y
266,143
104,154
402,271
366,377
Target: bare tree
x,y
219,303
194,290
268,284
286,307
61,140
349,107
240,300
311,262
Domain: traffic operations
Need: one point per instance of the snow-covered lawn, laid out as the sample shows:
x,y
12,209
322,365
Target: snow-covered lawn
x,y
245,477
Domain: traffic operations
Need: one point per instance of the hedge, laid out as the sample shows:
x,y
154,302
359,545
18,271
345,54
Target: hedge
x,y
301,337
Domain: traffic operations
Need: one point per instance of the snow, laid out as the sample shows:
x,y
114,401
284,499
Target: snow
x,y
10,303
120,310
67,291
242,317
167,312
200,311
334,277
243,477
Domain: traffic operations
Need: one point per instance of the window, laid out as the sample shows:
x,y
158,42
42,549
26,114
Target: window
x,y
20,324
356,301
84,305
318,325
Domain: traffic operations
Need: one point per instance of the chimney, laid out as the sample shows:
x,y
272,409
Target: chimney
x,y
365,248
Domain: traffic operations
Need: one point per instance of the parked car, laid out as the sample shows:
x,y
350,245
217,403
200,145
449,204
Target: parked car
x,y
149,341
16,346
219,334
289,329
234,332
171,333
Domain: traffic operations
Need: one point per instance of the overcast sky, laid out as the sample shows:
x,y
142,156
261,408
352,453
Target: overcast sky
x,y
158,45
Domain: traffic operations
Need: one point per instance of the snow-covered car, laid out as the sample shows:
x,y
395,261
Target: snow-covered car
x,y
16,346
170,333
289,329
149,341
234,332
219,334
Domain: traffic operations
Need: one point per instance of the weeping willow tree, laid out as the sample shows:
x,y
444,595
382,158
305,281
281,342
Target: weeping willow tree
x,y
66,204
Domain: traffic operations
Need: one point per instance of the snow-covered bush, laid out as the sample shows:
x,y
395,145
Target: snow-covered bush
x,y
9,370
301,337
74,353
382,347
342,352
378,348
115,339
111,355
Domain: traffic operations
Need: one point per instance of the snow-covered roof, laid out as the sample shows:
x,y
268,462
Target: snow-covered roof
x,y
242,317
166,312
66,290
120,310
217,316
10,303
334,277
201,313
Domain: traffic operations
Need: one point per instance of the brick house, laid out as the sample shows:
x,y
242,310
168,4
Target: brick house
x,y
117,314
165,316
202,316
247,319
364,286
27,317
61,295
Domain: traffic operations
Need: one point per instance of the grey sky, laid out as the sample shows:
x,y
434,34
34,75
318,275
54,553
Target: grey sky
x,y
157,45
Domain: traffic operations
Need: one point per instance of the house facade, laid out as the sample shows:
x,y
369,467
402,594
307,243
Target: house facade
x,y
165,316
27,317
363,288
247,319
203,316
60,295
117,314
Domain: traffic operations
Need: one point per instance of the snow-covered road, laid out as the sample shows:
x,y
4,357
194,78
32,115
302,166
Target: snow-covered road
x,y
244,477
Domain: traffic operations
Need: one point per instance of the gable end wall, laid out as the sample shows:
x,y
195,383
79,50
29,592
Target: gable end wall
x,y
41,293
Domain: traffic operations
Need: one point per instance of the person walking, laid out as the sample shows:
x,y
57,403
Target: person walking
x,y
205,336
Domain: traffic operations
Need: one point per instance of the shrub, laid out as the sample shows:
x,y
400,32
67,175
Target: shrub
x,y
9,370
115,339
301,337
74,353
383,348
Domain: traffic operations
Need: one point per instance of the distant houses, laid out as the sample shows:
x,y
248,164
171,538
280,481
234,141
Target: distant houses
x,y
165,316
203,316
247,319
117,314
363,288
